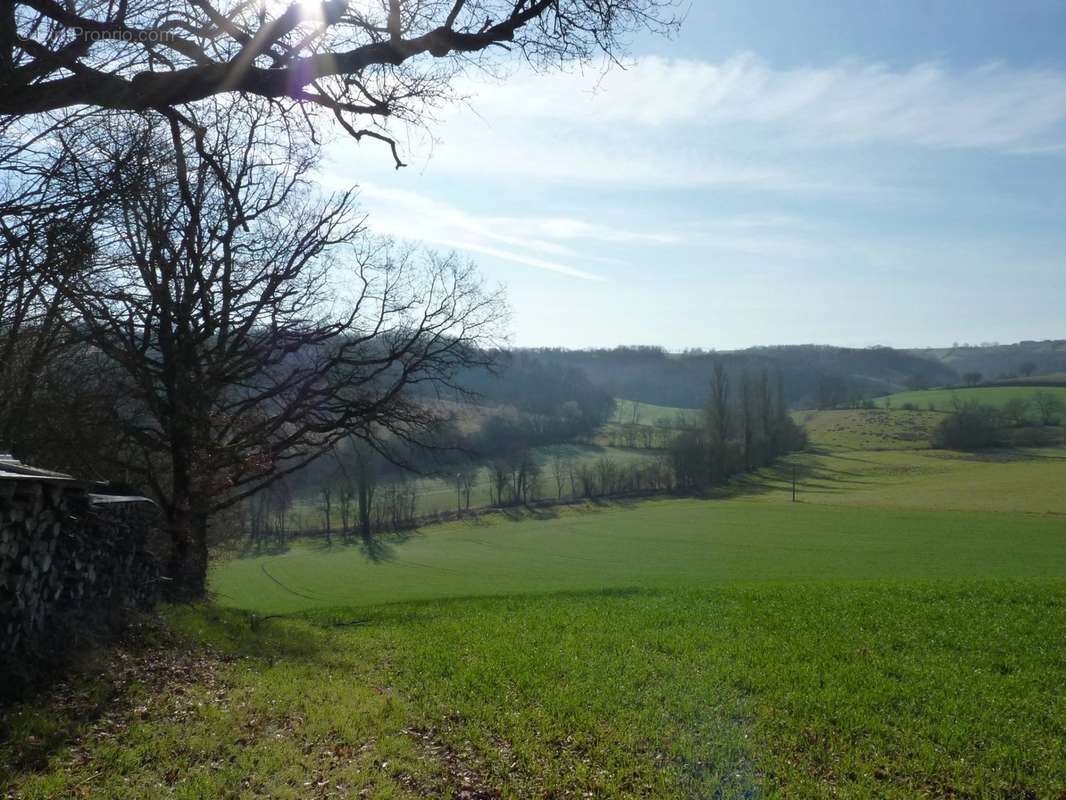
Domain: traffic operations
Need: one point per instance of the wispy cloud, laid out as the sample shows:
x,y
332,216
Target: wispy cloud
x,y
738,124
549,243
994,106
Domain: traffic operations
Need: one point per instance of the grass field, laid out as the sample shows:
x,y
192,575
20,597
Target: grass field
x,y
898,689
1014,482
868,429
650,414
667,543
900,632
944,399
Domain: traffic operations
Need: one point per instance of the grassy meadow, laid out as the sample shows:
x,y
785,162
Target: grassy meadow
x,y
651,414
899,632
868,429
945,399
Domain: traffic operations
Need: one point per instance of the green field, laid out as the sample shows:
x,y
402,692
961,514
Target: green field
x,y
866,429
944,399
660,544
659,416
899,632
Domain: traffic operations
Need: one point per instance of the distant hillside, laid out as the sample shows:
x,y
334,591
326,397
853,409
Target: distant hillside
x,y
998,361
814,376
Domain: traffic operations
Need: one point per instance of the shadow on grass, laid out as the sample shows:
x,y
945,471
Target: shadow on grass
x,y
262,547
98,678
385,547
1009,455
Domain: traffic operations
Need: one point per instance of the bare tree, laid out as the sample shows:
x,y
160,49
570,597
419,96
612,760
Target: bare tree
x,y
747,418
326,495
44,375
254,325
467,482
360,63
1016,410
345,495
559,473
499,473
719,411
1049,407
647,435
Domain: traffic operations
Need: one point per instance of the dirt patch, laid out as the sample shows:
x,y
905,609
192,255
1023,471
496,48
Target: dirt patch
x,y
462,767
110,688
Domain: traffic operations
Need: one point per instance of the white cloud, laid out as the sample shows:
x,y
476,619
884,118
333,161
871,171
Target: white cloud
x,y
994,106
739,124
541,242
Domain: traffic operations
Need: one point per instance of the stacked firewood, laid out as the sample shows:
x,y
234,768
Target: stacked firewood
x,y
67,563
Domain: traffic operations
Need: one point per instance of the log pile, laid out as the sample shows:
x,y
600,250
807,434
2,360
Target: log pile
x,y
68,561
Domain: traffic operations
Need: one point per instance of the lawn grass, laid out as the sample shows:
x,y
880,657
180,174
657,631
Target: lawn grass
x,y
945,399
884,689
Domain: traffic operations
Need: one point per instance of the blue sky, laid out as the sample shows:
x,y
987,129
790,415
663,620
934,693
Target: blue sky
x,y
850,173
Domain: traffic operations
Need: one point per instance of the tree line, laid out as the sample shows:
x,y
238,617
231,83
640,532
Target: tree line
x,y
741,429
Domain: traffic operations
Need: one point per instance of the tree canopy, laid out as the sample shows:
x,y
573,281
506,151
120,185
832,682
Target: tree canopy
x,y
360,62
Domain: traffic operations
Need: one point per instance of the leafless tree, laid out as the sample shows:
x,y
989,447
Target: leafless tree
x,y
647,435
345,495
359,63
719,410
1016,410
467,482
499,474
1049,407
559,473
747,418
326,495
255,325
55,396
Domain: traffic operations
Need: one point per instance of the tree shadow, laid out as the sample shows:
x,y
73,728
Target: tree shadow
x,y
259,547
380,548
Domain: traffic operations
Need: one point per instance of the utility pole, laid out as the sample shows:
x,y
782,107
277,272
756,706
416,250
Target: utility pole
x,y
458,494
793,483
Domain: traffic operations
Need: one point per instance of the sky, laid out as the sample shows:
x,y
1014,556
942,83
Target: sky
x,y
847,173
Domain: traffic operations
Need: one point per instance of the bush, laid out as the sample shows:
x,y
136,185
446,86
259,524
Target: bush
x,y
971,428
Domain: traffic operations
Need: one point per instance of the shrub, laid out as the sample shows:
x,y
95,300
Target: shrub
x,y
971,428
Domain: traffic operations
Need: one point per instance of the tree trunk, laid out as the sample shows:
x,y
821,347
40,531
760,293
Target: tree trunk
x,y
187,566
364,508
187,523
